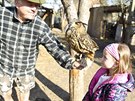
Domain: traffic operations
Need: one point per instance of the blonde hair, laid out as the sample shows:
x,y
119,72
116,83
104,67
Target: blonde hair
x,y
124,62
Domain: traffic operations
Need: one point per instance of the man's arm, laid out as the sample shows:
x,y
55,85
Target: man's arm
x,y
58,51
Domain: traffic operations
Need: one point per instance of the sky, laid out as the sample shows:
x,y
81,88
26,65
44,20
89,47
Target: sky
x,y
52,4
113,2
49,4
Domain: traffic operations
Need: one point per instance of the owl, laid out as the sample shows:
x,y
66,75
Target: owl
x,y
79,40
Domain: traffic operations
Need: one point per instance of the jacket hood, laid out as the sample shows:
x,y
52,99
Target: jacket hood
x,y
130,84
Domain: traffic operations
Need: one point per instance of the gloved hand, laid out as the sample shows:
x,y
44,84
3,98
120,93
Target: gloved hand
x,y
79,64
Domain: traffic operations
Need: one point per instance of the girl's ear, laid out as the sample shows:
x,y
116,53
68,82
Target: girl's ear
x,y
116,64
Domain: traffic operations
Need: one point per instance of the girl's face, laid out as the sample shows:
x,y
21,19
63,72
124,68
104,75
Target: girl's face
x,y
107,60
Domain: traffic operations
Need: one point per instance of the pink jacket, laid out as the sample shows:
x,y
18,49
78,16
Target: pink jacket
x,y
109,90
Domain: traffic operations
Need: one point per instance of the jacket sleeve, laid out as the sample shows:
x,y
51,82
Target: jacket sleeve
x,y
115,92
55,48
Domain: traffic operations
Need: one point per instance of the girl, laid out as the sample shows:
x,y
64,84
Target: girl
x,y
114,79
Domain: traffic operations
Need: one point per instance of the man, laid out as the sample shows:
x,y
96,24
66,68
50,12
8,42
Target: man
x,y
21,31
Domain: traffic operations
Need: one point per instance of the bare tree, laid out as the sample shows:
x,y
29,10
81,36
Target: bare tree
x,y
78,9
70,10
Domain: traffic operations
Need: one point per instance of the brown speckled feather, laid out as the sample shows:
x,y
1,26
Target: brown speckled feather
x,y
79,40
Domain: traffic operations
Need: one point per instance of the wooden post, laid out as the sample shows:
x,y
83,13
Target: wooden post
x,y
76,84
76,80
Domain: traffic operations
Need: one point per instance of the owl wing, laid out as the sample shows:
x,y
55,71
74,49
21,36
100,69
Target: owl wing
x,y
87,44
